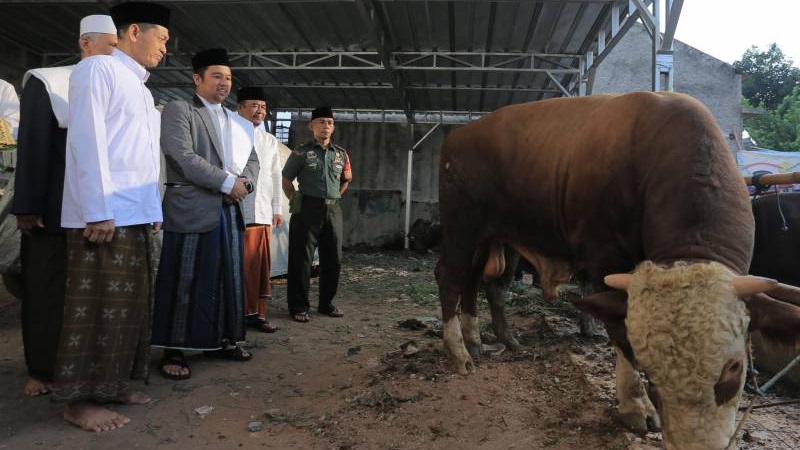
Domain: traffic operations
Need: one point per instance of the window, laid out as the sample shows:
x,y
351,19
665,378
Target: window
x,y
282,125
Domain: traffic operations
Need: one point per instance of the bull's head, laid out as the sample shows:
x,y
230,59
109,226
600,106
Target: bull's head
x,y
686,326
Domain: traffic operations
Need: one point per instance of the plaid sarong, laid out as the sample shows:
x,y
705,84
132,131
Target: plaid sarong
x,y
199,300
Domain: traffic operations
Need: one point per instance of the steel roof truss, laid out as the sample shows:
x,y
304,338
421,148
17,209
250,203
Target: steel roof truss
x,y
673,13
558,84
647,17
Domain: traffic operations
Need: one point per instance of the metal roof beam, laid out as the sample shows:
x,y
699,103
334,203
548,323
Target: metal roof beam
x,y
621,29
492,1
389,115
400,61
561,87
673,13
413,87
647,17
94,2
370,11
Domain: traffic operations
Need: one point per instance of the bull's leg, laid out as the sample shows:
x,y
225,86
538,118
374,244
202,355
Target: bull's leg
x,y
496,294
469,321
458,270
588,325
635,407
452,278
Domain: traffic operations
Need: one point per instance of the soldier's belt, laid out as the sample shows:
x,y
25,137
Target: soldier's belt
x,y
326,201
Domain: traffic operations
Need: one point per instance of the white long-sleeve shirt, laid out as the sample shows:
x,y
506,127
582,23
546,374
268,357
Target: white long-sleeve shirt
x,y
113,157
9,106
268,188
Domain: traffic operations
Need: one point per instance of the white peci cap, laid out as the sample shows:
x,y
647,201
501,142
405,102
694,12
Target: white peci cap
x,y
97,23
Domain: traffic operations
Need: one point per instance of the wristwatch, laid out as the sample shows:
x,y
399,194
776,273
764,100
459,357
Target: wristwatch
x,y
248,185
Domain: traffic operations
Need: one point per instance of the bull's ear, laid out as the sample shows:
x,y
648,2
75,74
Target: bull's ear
x,y
618,281
775,319
747,285
607,306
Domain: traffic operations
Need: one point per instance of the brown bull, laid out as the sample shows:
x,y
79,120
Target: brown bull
x,y
642,186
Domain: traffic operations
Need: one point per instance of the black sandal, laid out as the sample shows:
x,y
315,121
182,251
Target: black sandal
x,y
175,358
235,353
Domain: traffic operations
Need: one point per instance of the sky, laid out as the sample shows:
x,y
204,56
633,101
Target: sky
x,y
725,29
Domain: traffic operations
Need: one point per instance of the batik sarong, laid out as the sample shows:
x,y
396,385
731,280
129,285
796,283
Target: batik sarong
x,y
105,335
199,300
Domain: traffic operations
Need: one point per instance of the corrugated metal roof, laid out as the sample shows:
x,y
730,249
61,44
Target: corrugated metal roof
x,y
406,55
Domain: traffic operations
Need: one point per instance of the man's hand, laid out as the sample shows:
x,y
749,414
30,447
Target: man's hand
x,y
28,222
239,191
288,187
156,227
277,220
99,232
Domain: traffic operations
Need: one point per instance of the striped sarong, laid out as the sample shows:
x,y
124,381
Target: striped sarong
x,y
199,299
105,335
257,287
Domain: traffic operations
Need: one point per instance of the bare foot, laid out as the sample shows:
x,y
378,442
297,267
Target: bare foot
x,y
134,398
93,417
34,387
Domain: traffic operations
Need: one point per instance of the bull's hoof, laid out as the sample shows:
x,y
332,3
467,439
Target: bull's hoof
x,y
461,360
635,422
465,368
653,423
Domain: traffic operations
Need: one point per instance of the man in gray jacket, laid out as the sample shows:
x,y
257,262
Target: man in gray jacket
x,y
211,167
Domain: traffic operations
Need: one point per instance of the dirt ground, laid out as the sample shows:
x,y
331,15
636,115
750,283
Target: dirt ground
x,y
365,382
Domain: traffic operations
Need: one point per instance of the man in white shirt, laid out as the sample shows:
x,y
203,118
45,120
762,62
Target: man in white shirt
x,y
262,209
110,208
211,167
38,190
9,107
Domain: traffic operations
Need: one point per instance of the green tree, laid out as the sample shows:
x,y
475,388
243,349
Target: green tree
x,y
769,76
778,129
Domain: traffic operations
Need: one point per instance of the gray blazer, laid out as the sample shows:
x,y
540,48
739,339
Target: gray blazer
x,y
193,154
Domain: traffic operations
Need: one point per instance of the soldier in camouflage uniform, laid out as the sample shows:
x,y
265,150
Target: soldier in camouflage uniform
x,y
322,170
